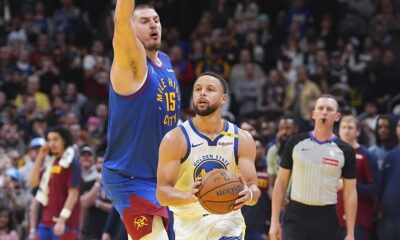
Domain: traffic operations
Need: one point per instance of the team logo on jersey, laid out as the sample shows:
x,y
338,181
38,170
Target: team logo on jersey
x,y
140,222
207,163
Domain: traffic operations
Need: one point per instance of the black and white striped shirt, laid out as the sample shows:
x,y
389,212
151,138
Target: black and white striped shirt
x,y
317,167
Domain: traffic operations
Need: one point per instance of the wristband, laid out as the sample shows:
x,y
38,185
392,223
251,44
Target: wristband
x,y
65,213
97,203
97,184
32,230
251,195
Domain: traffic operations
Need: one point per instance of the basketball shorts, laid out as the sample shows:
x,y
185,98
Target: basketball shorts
x,y
210,226
135,201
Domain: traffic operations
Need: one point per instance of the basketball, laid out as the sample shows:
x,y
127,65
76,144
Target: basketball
x,y
218,191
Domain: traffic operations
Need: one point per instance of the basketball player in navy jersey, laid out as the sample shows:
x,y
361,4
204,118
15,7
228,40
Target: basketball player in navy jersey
x,y
144,105
199,145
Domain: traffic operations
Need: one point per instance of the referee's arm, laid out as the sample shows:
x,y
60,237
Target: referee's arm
x,y
279,192
278,195
349,192
350,205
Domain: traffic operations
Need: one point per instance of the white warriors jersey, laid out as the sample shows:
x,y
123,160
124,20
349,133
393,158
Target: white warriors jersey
x,y
202,156
192,221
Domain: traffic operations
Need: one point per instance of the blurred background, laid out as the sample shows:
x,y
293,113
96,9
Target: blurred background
x,y
277,56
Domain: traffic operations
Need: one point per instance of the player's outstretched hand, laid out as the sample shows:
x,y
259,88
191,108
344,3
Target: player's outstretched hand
x,y
245,195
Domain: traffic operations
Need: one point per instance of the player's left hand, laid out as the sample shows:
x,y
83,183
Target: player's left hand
x,y
245,195
59,228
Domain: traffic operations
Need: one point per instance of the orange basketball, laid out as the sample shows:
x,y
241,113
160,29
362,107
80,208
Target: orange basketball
x,y
218,191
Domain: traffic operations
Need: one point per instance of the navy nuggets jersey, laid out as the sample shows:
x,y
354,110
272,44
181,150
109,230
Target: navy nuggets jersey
x,y
137,123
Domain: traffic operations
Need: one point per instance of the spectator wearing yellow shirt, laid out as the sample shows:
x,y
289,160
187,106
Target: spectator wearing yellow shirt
x,y
32,89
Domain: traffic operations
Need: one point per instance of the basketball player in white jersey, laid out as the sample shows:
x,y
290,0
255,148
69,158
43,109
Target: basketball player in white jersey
x,y
199,145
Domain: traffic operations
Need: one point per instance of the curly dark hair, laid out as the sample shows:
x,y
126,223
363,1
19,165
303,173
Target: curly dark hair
x,y
64,133
392,138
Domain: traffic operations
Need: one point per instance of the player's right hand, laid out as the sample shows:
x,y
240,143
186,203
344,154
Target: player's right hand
x,y
275,231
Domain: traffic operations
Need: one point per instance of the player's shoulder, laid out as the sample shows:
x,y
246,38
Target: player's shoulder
x,y
244,135
163,56
175,134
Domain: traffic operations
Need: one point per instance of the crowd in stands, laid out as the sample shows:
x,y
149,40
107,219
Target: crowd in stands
x,y
277,56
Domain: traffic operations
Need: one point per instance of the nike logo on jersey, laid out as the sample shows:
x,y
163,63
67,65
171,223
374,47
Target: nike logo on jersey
x,y
196,145
170,70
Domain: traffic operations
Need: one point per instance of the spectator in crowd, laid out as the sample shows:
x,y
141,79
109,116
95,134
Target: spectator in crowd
x,y
42,49
299,15
273,93
94,206
388,224
238,72
368,120
248,93
58,186
368,181
184,73
26,170
76,98
287,127
12,138
96,71
7,225
32,89
102,114
215,63
48,73
78,136
300,94
386,73
386,139
286,68
66,18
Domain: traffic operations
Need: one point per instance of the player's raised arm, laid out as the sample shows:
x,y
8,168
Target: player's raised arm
x,y
129,66
172,150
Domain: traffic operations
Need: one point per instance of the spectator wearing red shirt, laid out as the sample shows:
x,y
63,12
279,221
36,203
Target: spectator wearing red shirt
x,y
58,186
368,181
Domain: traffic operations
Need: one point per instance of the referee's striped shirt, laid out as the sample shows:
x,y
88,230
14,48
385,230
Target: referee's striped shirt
x,y
317,167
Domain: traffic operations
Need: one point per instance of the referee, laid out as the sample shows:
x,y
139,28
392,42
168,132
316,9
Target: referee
x,y
316,161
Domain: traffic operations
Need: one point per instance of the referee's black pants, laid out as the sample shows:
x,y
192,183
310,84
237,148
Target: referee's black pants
x,y
304,222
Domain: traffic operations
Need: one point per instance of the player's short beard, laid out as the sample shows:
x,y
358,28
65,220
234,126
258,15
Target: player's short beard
x,y
152,47
205,112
